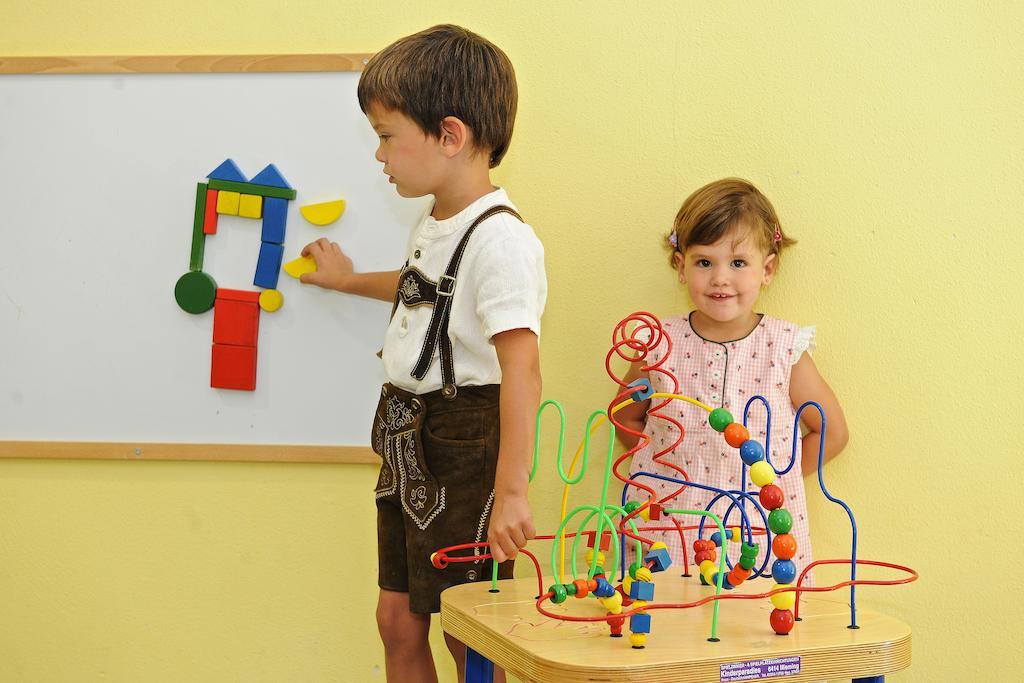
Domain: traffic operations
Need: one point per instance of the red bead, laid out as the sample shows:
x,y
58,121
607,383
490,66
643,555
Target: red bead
x,y
782,621
736,434
592,585
784,546
701,556
771,497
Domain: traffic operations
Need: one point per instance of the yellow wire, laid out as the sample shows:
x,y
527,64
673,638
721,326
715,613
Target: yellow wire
x,y
575,459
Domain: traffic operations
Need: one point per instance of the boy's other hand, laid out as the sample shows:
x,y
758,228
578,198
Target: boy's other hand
x,y
511,526
333,268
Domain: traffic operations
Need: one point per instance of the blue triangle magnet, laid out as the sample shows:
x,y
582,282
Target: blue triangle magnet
x,y
227,171
270,176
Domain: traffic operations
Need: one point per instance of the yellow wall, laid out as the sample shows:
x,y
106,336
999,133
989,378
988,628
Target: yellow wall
x,y
889,140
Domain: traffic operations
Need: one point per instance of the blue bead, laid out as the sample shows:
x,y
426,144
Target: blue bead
x,y
751,451
783,571
640,623
604,589
641,590
716,538
660,558
645,389
725,583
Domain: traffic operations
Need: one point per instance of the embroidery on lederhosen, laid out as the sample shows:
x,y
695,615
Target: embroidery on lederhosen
x,y
415,288
396,429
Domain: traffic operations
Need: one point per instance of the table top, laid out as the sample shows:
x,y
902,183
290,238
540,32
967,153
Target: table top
x,y
506,628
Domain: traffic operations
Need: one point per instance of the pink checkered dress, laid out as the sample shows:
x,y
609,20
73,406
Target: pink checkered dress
x,y
726,375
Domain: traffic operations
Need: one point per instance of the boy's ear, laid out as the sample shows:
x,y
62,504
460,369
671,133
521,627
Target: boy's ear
x,y
454,135
678,261
771,264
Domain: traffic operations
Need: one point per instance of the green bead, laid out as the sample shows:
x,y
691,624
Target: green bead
x,y
195,292
748,550
719,419
780,521
558,593
570,588
633,569
631,506
747,562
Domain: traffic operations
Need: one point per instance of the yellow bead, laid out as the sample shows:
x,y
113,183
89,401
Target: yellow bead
x,y
735,538
600,557
707,567
227,202
783,600
613,603
271,300
644,574
626,583
761,473
638,605
250,206
637,639
658,545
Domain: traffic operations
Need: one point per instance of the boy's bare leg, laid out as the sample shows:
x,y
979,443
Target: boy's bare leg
x,y
405,635
458,650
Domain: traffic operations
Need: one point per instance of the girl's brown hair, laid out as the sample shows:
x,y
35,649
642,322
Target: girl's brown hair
x,y
721,207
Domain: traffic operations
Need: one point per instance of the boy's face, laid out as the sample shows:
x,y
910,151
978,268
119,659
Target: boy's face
x,y
412,160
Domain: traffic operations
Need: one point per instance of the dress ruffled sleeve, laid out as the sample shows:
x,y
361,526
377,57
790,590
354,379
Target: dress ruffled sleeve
x,y
805,341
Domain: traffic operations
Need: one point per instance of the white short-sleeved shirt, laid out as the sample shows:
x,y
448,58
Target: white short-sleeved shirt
x,y
500,286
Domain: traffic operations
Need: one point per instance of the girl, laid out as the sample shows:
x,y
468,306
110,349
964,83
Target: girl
x,y
726,244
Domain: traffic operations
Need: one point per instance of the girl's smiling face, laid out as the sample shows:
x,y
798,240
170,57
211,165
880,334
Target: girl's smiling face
x,y
724,280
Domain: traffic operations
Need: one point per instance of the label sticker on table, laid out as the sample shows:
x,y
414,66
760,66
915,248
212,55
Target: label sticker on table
x,y
757,669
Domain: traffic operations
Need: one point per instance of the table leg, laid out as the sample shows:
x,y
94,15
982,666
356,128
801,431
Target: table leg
x,y
479,669
870,679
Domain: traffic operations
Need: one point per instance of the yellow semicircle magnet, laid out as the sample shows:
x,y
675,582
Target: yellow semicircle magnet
x,y
300,266
324,213
271,300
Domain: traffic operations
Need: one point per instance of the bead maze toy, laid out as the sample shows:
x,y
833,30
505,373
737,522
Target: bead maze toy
x,y
608,526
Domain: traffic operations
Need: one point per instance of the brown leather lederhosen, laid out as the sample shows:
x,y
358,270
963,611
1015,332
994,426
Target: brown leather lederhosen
x,y
439,453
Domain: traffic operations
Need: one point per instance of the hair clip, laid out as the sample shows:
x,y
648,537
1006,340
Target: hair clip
x,y
777,237
673,239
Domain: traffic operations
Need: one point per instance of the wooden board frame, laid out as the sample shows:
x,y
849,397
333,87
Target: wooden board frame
x,y
128,64
183,64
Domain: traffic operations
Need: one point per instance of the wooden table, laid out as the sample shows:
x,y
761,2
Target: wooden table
x,y
506,629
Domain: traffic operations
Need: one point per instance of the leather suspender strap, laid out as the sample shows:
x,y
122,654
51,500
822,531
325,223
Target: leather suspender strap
x,y
437,331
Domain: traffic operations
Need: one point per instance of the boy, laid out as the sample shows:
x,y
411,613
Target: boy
x,y
460,352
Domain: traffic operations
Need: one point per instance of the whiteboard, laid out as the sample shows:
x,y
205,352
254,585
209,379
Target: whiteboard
x,y
97,186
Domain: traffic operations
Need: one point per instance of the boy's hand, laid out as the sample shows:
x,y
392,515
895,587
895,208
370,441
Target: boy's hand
x,y
334,269
511,526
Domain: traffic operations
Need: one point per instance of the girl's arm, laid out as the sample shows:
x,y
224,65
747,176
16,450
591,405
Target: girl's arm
x,y
511,520
633,416
807,384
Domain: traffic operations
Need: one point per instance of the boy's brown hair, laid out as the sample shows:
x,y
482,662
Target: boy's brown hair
x,y
722,206
446,71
